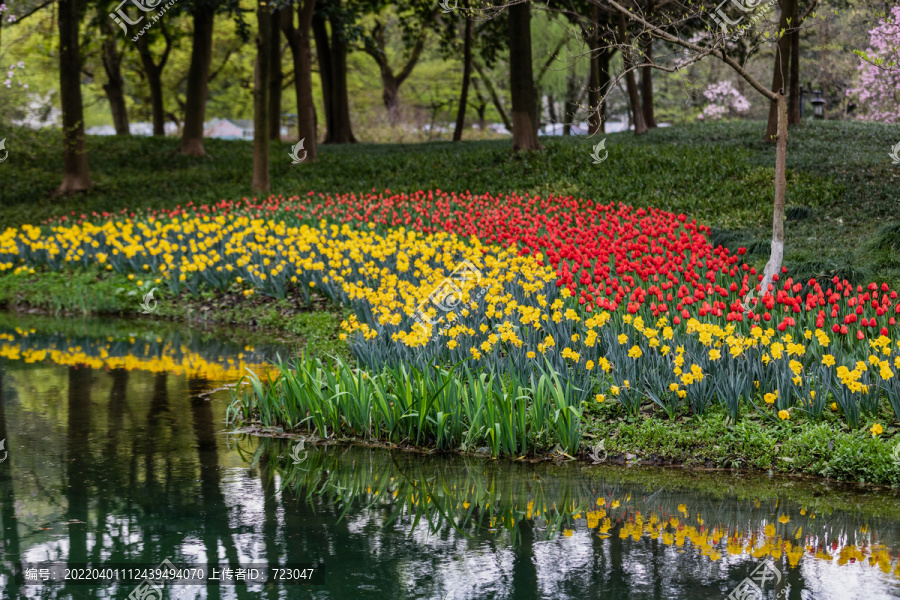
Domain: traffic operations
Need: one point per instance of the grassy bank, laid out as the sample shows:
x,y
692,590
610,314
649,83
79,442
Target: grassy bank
x,y
841,199
456,410
96,292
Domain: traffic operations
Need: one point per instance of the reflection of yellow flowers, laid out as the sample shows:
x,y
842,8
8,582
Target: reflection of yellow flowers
x,y
784,519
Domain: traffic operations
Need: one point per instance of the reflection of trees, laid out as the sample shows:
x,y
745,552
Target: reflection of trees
x,y
78,465
215,520
656,535
10,542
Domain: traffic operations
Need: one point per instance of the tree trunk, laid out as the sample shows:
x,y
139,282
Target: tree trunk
x,y
777,254
115,83
467,75
599,78
637,114
481,107
782,59
76,176
495,99
647,78
521,79
261,127
298,39
571,103
794,98
275,78
343,133
390,95
333,71
323,53
390,81
198,83
153,72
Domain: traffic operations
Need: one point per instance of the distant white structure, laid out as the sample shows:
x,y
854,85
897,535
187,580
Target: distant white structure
x,y
225,130
582,128
140,128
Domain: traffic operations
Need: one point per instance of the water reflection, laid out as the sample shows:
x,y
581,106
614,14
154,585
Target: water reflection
x,y
626,531
132,465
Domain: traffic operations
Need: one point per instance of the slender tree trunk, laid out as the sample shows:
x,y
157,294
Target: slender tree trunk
x,y
495,99
261,128
780,71
551,109
481,107
571,104
157,108
794,98
153,71
605,83
299,39
777,254
275,78
326,71
595,97
637,114
467,75
521,79
115,83
599,78
647,78
341,133
76,176
198,83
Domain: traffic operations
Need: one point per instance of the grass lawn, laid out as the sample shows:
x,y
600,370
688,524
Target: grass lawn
x,y
843,197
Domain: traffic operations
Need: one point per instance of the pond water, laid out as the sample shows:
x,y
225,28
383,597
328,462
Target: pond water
x,y
117,461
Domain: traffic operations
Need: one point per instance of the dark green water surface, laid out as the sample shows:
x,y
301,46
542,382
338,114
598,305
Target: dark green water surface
x,y
116,456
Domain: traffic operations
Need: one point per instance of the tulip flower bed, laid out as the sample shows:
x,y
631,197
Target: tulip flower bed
x,y
573,304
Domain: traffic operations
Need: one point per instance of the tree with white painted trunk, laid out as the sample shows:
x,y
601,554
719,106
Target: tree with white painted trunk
x,y
639,28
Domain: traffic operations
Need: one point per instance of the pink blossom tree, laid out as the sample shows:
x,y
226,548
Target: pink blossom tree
x,y
878,91
724,101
